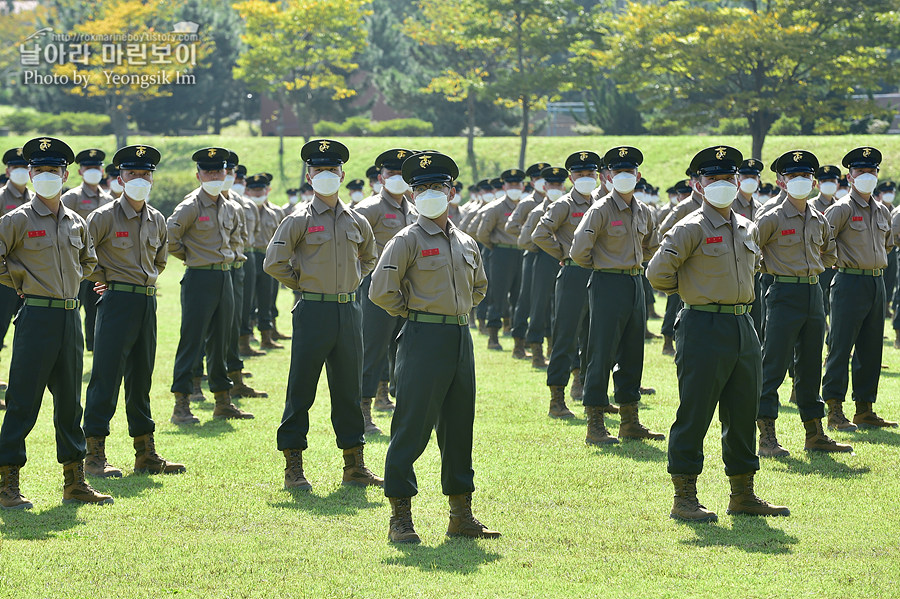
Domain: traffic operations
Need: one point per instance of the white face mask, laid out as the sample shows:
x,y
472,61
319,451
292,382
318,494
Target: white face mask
x,y
228,182
828,188
585,185
720,193
749,185
377,187
487,196
540,185
326,183
115,187
396,185
888,197
624,182
213,188
640,196
431,203
292,200
138,189
239,188
865,183
799,187
356,196
840,193
92,176
19,176
455,200
554,194
514,194
47,185
259,201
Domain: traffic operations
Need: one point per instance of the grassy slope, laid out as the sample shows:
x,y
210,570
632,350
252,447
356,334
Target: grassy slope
x,y
576,521
665,157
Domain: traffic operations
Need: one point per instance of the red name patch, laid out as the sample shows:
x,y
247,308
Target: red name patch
x,y
507,214
318,229
615,223
85,201
431,252
390,216
856,218
788,231
37,233
713,240
203,219
578,214
121,233
10,207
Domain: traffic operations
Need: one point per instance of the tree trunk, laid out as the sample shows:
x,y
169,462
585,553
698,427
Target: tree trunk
x,y
470,136
760,123
524,134
119,119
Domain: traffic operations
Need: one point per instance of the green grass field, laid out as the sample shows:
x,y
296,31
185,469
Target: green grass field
x,y
665,158
576,521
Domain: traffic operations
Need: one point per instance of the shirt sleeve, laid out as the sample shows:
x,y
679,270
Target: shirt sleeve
x,y
98,231
479,289
8,242
162,252
177,225
650,242
829,247
837,216
485,226
585,237
88,255
662,272
385,290
281,249
543,235
368,255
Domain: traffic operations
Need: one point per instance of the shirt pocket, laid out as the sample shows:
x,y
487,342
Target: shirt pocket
x,y
76,241
469,257
122,243
432,263
857,225
789,240
616,229
715,250
37,243
205,225
391,223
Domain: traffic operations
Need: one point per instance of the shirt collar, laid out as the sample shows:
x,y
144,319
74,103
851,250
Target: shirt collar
x,y
205,198
791,211
579,199
713,215
858,198
620,202
89,193
392,201
320,206
41,208
129,210
431,227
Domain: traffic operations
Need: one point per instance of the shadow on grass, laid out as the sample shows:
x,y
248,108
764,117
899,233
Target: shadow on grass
x,y
748,533
30,525
821,464
127,486
881,436
641,451
342,501
209,428
461,556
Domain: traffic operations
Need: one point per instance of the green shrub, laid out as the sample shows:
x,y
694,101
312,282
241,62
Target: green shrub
x,y
170,187
21,121
786,125
65,123
729,126
401,127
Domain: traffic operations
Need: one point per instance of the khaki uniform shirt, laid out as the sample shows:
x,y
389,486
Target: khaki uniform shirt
x,y
744,207
320,249
268,218
492,227
707,259
130,246
467,213
204,230
520,214
386,216
251,216
84,201
10,198
453,213
861,230
425,269
43,255
614,234
771,204
795,244
531,221
556,229
679,211
821,203
895,225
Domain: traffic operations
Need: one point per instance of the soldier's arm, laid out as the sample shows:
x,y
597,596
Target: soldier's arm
x,y
479,289
765,227
524,237
829,247
485,226
98,228
543,235
585,237
281,249
368,212
385,290
177,225
837,216
676,247
162,252
368,251
87,256
515,221
650,242
68,199
8,242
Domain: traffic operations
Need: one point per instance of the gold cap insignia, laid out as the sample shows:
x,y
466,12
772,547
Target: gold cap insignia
x,y
401,153
583,156
92,153
555,171
324,145
211,152
623,152
45,143
141,150
425,161
798,156
867,152
18,151
720,153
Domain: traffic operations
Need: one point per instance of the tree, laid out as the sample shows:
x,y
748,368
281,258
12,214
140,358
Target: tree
x,y
298,50
132,56
701,62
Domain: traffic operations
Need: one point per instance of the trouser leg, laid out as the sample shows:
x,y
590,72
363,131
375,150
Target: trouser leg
x,y
570,300
852,298
523,303
343,366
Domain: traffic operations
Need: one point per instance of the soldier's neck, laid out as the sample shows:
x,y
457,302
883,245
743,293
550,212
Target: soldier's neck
x,y
800,205
52,204
135,205
747,196
93,188
330,201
